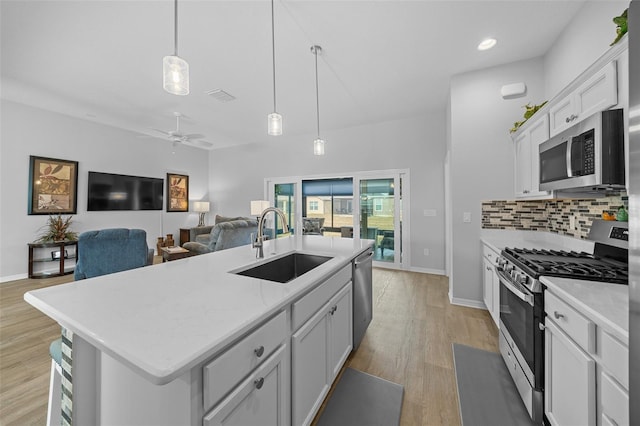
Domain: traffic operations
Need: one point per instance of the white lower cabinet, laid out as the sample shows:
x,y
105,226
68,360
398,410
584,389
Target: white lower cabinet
x,y
261,399
586,369
570,380
318,351
491,283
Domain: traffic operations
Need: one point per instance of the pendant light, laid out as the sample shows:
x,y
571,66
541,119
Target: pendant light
x,y
175,70
274,120
318,144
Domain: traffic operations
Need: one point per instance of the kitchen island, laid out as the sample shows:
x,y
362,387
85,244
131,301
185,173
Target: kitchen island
x,y
154,345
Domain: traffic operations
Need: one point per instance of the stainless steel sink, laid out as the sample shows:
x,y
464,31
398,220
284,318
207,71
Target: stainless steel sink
x,y
285,269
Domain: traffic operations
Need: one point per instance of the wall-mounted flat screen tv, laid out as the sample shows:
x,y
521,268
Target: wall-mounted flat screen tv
x,y
121,192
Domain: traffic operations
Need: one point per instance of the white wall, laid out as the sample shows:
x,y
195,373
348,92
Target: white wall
x,y
585,40
29,131
418,144
482,160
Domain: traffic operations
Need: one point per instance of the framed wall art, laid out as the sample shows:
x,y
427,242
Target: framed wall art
x,y
177,193
53,186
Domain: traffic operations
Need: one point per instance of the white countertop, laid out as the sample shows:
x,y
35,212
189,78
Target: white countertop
x,y
162,320
605,304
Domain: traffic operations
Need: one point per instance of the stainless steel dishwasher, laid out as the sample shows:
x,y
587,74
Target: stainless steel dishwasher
x,y
362,295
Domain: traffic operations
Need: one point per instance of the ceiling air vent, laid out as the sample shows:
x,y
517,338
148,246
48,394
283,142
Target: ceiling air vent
x,y
220,95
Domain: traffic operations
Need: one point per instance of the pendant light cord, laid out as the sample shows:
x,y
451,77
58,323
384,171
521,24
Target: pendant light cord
x,y
175,27
315,52
273,52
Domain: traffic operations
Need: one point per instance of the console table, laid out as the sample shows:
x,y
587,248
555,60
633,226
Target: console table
x,y
56,257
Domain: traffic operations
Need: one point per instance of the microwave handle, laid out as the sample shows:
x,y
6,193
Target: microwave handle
x,y
568,157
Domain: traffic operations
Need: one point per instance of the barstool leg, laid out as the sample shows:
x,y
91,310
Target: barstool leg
x,y
55,395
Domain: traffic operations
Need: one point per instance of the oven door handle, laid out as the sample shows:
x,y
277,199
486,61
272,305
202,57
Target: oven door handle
x,y
504,279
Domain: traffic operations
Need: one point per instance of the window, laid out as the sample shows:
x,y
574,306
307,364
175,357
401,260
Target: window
x,y
313,206
377,204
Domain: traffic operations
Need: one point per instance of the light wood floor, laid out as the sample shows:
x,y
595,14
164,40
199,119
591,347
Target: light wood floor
x,y
408,342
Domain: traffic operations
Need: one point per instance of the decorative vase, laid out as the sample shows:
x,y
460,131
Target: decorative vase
x,y
169,241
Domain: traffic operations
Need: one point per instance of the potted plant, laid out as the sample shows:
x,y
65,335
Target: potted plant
x,y
57,229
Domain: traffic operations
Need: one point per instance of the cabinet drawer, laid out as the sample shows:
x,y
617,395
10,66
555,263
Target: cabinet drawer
x,y
614,400
490,254
259,400
224,372
309,304
615,358
578,327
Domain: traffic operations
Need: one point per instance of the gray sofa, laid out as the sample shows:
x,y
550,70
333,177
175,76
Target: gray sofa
x,y
223,235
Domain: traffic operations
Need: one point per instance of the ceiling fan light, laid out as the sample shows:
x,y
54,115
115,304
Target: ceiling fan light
x,y
274,124
318,147
175,72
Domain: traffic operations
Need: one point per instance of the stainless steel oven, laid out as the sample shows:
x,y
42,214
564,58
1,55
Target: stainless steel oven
x,y
522,337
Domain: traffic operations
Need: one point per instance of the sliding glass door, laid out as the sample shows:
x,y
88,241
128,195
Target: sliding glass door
x,y
285,196
378,217
327,206
365,205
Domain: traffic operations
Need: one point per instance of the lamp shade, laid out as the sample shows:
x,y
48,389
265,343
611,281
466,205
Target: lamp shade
x,y
201,206
274,124
175,72
318,147
258,206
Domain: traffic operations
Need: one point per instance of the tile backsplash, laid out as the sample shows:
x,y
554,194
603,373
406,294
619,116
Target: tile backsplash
x,y
550,215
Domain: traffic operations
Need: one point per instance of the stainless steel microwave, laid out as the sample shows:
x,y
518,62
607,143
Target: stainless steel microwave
x,y
587,156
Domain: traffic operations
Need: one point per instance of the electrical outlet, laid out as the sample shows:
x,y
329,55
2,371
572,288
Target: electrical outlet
x,y
466,217
426,252
429,212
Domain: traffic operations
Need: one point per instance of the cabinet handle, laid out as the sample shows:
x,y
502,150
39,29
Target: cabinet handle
x,y
259,382
541,326
557,315
489,255
259,352
333,310
488,268
571,118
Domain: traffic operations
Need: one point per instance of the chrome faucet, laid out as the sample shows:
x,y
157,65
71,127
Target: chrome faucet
x,y
258,243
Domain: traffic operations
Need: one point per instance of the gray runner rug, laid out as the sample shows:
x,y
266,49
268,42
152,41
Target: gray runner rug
x,y
487,394
361,399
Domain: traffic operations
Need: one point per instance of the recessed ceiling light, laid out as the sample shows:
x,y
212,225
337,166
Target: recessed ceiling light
x,y
487,44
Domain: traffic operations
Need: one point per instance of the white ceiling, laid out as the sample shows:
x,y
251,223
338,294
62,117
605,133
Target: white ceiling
x,y
382,60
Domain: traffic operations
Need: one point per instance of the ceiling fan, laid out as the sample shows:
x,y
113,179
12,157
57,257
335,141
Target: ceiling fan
x,y
175,136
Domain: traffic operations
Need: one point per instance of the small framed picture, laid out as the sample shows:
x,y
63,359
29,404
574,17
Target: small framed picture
x,y
177,193
53,185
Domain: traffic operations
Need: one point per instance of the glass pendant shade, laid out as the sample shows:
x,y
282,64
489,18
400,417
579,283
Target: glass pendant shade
x,y
274,124
318,147
175,72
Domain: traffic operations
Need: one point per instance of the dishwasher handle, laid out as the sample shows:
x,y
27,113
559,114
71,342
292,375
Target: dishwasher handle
x,y
366,258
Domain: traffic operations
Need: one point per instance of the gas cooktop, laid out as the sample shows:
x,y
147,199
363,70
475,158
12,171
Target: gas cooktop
x,y
568,264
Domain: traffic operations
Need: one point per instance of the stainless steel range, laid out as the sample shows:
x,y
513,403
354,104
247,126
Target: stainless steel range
x,y
522,304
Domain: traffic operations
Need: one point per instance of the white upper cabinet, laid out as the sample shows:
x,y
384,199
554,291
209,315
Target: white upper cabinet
x,y
527,166
597,93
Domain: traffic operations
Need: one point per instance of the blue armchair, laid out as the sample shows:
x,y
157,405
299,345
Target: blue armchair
x,y
99,253
111,250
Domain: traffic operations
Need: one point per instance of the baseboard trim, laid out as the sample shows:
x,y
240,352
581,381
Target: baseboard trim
x,y
381,265
13,278
469,303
